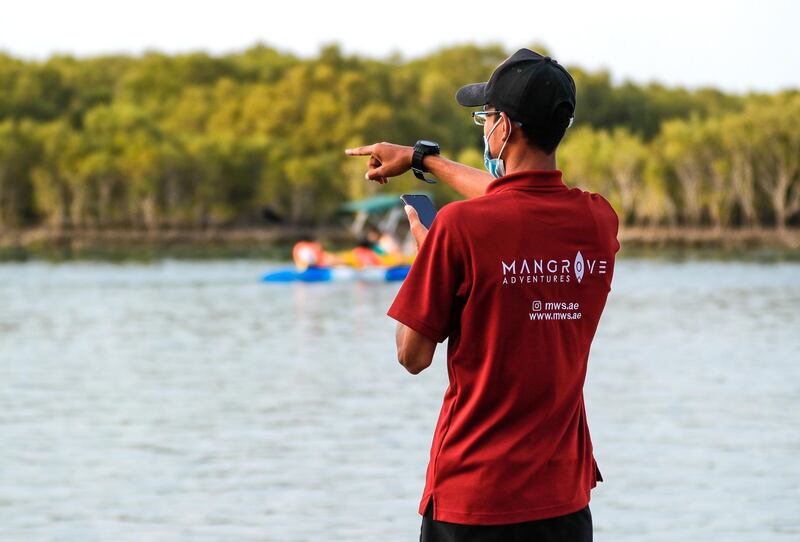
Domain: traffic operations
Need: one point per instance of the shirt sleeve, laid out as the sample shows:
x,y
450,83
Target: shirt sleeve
x,y
609,221
432,295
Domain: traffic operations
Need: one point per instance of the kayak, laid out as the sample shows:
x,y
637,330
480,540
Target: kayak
x,y
338,274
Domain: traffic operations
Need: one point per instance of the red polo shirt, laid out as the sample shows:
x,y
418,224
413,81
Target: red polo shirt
x,y
517,280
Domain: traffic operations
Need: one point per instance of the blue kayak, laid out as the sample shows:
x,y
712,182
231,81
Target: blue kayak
x,y
337,274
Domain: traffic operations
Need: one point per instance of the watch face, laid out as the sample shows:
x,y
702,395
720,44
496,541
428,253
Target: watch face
x,y
427,143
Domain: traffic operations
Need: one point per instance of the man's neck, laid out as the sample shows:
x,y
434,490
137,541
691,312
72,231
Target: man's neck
x,y
528,158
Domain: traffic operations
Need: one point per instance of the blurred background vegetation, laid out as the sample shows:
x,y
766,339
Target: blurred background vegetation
x,y
195,141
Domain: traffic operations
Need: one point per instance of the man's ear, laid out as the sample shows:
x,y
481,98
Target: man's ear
x,y
507,122
500,130
506,126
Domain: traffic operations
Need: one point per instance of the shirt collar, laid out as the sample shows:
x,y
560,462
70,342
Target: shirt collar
x,y
536,180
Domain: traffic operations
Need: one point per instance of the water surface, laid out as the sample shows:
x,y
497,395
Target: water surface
x,y
187,401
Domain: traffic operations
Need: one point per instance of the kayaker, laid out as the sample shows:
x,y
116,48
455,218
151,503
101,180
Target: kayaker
x,y
308,252
374,238
389,245
516,277
384,243
364,253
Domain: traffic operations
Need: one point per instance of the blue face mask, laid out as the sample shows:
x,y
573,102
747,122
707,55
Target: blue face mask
x,y
495,166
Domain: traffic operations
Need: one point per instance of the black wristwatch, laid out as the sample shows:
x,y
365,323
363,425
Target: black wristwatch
x,y
423,148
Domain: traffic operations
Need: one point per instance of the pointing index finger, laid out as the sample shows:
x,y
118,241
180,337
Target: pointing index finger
x,y
360,151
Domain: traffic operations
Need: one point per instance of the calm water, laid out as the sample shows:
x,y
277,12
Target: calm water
x,y
187,401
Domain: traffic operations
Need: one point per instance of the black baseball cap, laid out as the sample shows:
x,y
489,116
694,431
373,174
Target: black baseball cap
x,y
527,86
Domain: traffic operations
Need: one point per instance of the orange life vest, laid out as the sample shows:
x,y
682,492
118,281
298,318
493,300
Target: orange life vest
x,y
366,257
306,254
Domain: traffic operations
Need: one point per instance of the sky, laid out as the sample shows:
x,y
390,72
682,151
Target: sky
x,y
734,45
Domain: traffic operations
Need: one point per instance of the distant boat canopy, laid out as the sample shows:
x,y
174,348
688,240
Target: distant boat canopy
x,y
390,205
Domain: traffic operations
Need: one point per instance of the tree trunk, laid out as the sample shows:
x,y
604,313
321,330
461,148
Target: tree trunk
x,y
690,182
149,212
742,184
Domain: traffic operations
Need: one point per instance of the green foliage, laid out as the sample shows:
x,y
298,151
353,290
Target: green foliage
x,y
194,139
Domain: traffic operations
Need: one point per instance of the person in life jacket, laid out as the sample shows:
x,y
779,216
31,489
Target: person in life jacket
x,y
384,244
308,252
364,253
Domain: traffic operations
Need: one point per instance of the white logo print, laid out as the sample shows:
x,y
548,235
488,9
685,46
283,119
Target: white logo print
x,y
551,270
578,266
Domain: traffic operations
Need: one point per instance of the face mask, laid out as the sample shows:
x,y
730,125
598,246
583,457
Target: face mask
x,y
495,166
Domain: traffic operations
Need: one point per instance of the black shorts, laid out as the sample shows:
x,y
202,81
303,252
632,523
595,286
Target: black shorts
x,y
575,527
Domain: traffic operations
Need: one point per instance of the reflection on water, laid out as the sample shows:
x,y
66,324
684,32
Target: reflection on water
x,y
187,401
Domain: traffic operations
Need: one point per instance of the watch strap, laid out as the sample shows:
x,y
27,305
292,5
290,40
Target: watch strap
x,y
420,152
416,159
419,175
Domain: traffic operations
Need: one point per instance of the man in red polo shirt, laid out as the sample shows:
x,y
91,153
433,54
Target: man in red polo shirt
x,y
516,277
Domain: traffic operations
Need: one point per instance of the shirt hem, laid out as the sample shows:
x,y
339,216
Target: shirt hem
x,y
417,325
477,518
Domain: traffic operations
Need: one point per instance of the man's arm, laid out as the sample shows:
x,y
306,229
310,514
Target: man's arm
x,y
390,160
466,180
414,350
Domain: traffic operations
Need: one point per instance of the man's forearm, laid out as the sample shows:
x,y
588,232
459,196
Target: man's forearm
x,y
414,350
465,180
399,335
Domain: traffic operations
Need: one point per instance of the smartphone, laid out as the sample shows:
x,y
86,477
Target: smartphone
x,y
423,205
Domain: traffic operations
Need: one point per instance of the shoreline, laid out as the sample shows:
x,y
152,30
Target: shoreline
x,y
121,244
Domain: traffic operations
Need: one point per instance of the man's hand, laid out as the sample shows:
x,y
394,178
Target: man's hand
x,y
385,160
418,229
